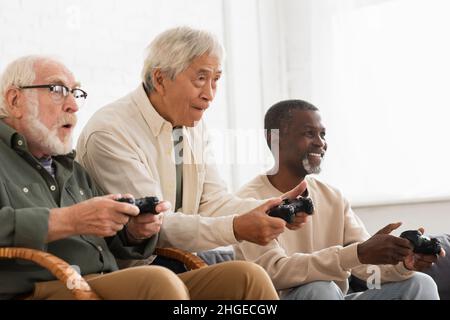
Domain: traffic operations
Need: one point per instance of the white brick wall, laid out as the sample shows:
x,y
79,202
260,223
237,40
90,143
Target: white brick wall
x,y
103,42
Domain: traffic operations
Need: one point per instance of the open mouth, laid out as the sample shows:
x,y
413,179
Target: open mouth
x,y
316,155
315,158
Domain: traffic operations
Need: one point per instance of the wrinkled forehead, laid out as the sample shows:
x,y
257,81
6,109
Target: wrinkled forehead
x,y
206,63
54,72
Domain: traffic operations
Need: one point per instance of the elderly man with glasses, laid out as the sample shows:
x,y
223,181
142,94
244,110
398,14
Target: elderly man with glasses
x,y
49,203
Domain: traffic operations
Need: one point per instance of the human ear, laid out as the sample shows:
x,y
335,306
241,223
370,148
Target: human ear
x,y
13,99
158,81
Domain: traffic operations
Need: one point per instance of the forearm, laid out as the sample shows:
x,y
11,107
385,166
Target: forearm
x,y
196,233
130,240
286,271
216,201
387,273
59,224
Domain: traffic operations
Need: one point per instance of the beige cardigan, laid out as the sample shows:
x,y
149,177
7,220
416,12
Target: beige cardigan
x,y
127,147
324,249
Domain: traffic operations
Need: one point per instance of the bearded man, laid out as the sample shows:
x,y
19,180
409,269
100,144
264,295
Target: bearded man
x,y
314,262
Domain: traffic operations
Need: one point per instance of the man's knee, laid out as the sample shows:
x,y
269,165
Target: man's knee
x,y
245,270
156,283
421,287
254,280
317,290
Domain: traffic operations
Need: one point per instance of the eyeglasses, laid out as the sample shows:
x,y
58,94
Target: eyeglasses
x,y
59,92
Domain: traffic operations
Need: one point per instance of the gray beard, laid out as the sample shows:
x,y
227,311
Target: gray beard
x,y
309,168
46,139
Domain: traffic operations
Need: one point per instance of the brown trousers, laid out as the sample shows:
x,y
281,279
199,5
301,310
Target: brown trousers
x,y
234,280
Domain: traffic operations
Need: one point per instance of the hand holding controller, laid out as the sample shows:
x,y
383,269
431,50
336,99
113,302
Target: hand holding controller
x,y
145,205
288,208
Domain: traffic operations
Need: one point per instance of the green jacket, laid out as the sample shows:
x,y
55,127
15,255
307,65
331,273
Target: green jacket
x,y
27,193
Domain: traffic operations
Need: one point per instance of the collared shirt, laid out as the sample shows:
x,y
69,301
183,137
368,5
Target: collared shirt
x,y
27,193
128,147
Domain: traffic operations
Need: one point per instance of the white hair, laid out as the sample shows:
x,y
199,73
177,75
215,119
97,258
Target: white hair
x,y
20,72
173,51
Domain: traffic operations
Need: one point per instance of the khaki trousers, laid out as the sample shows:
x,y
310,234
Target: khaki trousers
x,y
234,280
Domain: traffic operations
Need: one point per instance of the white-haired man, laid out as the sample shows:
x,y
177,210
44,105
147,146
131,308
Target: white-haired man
x,y
49,203
153,142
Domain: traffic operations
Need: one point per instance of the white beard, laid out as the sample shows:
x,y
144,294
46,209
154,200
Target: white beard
x,y
308,167
46,139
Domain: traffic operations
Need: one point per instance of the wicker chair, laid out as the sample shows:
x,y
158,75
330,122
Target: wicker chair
x,y
65,273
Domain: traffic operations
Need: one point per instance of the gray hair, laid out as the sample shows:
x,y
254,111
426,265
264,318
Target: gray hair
x,y
173,51
20,72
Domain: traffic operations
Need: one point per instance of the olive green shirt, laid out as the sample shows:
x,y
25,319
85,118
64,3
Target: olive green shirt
x,y
27,193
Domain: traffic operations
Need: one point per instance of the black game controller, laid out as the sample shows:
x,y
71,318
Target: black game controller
x,y
288,208
421,243
145,205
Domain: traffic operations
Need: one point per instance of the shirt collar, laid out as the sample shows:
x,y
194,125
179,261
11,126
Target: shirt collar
x,y
151,116
153,119
11,137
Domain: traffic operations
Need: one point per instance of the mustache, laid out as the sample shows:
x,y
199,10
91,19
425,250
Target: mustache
x,y
67,118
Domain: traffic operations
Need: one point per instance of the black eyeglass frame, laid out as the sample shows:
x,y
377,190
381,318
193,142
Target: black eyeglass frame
x,y
52,86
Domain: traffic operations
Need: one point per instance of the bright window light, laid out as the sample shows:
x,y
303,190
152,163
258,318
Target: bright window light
x,y
389,117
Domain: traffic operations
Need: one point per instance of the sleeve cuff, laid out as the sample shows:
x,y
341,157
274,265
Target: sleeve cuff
x,y
348,256
402,270
216,232
228,230
195,232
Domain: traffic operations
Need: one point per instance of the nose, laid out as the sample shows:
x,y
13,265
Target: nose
x,y
70,104
320,142
208,92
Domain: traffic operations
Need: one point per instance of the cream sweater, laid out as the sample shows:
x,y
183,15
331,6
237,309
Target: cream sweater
x,y
325,248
